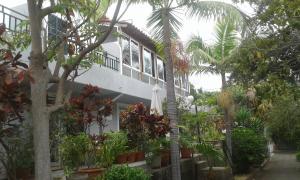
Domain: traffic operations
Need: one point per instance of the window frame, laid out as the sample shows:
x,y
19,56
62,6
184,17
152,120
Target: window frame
x,y
139,55
160,59
123,37
150,52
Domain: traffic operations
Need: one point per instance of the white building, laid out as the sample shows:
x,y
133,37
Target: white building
x,y
131,66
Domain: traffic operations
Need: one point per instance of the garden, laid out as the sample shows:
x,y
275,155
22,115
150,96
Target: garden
x,y
47,111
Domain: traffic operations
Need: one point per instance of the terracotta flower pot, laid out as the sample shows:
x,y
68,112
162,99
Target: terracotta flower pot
x,y
122,158
92,172
131,157
186,152
139,156
165,157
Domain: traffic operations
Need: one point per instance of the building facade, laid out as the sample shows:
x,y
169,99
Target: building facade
x,y
129,70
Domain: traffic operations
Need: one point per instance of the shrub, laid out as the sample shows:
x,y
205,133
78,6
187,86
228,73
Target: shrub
x,y
284,122
298,156
248,149
73,151
125,173
245,119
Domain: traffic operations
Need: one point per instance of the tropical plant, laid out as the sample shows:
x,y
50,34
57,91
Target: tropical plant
x,y
284,121
213,59
113,144
248,148
165,25
153,149
210,152
73,151
124,173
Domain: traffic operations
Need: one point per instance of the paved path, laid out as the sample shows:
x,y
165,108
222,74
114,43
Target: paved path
x,y
282,166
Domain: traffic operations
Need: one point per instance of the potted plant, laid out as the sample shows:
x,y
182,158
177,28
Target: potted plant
x,y
153,153
73,151
186,146
165,152
125,173
117,141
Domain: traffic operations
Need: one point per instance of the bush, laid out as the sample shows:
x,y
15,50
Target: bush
x,y
125,173
248,149
298,156
73,151
284,122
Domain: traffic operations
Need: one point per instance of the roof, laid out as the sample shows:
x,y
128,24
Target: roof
x,y
138,35
134,32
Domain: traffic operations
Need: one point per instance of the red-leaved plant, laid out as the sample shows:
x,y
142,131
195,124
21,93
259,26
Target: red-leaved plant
x,y
87,108
140,124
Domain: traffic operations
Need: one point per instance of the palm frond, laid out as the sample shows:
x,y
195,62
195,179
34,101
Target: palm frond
x,y
155,22
203,69
217,10
225,38
199,51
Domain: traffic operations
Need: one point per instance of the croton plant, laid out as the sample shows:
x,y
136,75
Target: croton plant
x,y
140,124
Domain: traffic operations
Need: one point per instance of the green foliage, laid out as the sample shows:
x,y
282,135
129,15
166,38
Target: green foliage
x,y
284,122
125,173
245,119
73,151
298,156
216,55
248,149
113,145
153,149
210,152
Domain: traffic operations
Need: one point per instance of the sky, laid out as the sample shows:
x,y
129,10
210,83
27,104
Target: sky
x,y
138,15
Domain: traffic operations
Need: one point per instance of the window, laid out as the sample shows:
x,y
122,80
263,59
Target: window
x,y
55,27
125,50
147,62
160,69
135,55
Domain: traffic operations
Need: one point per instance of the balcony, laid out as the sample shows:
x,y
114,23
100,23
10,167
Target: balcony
x,y
12,19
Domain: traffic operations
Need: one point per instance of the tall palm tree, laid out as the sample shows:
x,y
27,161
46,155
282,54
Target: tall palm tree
x,y
165,24
214,59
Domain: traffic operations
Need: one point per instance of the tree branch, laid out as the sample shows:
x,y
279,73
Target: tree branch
x,y
93,46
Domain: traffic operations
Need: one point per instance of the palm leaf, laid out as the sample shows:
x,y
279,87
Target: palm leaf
x,y
155,22
217,10
199,51
225,38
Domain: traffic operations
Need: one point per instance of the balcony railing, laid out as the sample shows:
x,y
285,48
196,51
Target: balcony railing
x,y
12,19
109,60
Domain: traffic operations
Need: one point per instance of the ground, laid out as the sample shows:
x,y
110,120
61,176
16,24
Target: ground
x,y
282,166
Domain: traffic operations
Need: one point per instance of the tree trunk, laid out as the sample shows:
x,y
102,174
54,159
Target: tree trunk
x,y
40,117
171,100
227,120
40,125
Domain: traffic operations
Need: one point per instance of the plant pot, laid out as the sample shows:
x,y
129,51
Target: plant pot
x,y
139,156
92,172
131,157
24,173
156,162
165,157
186,152
121,158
